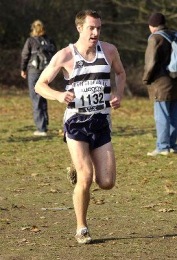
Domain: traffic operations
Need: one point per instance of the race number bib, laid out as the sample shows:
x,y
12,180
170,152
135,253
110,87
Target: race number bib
x,y
89,98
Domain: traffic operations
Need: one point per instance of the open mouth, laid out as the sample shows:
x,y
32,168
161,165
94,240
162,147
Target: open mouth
x,y
94,39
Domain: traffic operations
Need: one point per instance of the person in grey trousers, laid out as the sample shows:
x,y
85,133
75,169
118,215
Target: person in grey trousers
x,y
31,72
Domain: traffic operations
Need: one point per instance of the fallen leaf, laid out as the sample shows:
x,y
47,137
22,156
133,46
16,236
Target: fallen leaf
x,y
54,190
2,208
23,240
6,220
25,228
98,202
35,229
166,210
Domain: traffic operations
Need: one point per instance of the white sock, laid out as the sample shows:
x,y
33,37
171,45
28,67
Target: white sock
x,y
82,230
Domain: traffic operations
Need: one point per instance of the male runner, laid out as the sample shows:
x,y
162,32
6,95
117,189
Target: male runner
x,y
86,66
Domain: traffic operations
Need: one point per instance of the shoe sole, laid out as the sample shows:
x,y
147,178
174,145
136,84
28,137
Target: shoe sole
x,y
82,241
158,154
173,151
40,134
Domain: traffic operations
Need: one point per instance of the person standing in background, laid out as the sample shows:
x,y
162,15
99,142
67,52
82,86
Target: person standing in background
x,y
162,87
31,68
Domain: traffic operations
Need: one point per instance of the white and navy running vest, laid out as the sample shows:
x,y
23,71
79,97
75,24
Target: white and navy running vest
x,y
90,81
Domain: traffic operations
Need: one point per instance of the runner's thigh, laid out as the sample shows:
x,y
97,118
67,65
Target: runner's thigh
x,y
80,155
104,163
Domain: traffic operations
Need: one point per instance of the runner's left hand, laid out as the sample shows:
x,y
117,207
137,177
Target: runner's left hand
x,y
115,102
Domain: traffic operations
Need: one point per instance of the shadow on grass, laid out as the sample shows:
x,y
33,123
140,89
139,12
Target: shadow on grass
x,y
128,131
104,240
25,134
132,131
19,139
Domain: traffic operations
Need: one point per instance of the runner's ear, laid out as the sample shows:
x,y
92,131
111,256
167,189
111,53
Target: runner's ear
x,y
79,28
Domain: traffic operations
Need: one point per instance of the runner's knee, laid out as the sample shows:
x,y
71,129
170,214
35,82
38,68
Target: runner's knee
x,y
84,181
106,184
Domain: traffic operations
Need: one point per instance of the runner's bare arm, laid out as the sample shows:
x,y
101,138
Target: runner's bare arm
x,y
120,76
120,79
49,73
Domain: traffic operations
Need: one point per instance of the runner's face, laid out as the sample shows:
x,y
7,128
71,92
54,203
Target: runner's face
x,y
90,31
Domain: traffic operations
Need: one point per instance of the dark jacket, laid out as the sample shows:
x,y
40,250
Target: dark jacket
x,y
31,46
161,86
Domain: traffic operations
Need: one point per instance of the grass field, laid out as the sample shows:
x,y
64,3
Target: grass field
x,y
135,220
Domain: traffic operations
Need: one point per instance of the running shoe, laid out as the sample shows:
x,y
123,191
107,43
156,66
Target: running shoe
x,y
156,152
83,236
39,133
71,175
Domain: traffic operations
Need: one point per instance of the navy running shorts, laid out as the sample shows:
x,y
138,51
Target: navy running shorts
x,y
92,129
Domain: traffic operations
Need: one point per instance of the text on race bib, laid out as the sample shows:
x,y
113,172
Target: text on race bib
x,y
89,98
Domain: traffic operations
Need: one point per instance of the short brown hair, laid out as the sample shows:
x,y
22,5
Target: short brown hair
x,y
80,17
156,19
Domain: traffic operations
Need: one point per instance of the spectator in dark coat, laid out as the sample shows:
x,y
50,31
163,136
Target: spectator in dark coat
x,y
161,86
31,71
